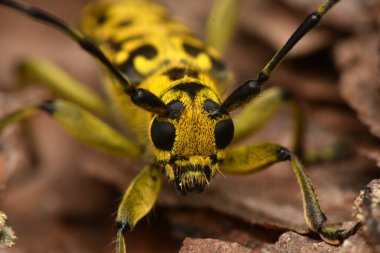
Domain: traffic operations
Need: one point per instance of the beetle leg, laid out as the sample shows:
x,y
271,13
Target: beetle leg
x,y
259,156
137,201
47,74
81,124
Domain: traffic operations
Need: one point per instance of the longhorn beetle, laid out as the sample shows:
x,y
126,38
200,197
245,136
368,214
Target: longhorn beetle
x,y
165,84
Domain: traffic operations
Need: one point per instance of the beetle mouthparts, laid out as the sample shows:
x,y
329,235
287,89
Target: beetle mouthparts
x,y
189,179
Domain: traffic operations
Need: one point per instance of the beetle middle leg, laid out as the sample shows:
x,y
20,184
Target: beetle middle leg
x,y
81,124
47,74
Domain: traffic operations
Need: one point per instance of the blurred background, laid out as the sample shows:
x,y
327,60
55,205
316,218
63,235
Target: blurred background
x,y
61,196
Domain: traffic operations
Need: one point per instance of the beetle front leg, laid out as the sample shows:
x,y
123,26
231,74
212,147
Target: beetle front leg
x,y
137,201
259,156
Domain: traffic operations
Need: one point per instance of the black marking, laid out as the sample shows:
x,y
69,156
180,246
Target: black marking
x,y
190,88
117,45
217,65
283,154
177,177
200,188
175,74
175,158
184,62
166,18
214,159
175,109
154,178
224,132
286,95
125,23
48,106
163,134
160,163
148,51
123,227
180,171
132,38
207,171
262,77
128,68
192,50
212,108
181,190
100,20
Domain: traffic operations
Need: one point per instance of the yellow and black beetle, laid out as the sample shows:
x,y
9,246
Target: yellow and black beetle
x,y
164,85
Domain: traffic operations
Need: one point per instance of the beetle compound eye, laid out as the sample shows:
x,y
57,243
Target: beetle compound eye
x,y
224,131
162,134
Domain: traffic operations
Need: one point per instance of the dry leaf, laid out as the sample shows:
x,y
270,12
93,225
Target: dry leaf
x,y
360,83
211,246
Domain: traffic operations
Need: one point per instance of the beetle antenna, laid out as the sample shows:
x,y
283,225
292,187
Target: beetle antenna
x,y
251,88
141,97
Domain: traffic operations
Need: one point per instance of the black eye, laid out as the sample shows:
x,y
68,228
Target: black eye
x,y
224,131
162,134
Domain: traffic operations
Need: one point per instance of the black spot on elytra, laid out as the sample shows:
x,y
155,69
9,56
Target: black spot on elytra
x,y
192,50
148,51
100,20
117,45
190,88
217,65
124,23
179,73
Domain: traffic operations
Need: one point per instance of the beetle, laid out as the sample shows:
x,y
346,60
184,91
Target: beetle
x,y
164,84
